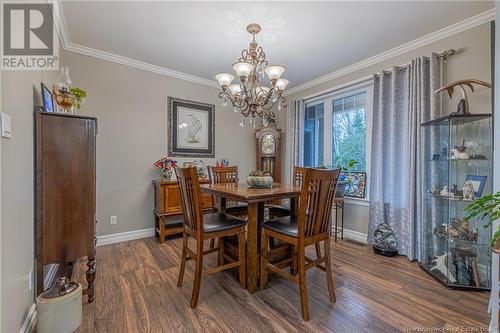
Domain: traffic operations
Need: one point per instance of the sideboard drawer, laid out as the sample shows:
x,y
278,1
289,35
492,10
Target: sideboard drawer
x,y
168,197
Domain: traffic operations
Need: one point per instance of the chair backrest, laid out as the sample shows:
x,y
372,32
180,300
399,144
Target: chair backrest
x,y
222,175
189,186
298,175
316,199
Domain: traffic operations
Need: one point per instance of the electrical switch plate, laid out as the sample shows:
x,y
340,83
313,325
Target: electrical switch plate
x,y
5,126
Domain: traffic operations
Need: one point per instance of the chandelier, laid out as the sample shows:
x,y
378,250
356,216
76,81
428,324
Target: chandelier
x,y
249,97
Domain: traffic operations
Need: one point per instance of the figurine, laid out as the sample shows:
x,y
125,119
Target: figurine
x,y
468,190
463,105
456,192
473,146
457,155
444,192
440,266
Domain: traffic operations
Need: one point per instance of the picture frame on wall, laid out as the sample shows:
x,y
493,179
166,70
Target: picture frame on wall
x,y
47,99
191,128
478,182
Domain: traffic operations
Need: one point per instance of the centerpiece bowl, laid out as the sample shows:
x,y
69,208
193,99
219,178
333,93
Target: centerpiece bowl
x,y
260,179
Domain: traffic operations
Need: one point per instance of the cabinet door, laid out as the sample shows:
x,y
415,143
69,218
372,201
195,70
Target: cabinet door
x,y
65,187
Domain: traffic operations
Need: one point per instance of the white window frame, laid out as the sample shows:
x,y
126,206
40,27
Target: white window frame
x,y
327,100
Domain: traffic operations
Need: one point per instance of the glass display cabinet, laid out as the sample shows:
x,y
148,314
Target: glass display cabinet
x,y
456,170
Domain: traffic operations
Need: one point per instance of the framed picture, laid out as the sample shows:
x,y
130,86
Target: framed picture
x,y
200,168
191,128
356,185
48,101
478,182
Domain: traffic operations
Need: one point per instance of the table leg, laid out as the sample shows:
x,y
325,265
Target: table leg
x,y
221,204
252,255
294,206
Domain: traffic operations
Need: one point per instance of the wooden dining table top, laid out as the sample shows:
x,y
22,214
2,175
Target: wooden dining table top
x,y
244,193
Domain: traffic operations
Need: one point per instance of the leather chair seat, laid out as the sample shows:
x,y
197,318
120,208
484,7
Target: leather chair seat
x,y
284,225
220,222
237,207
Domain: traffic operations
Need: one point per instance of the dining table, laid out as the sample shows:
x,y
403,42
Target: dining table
x,y
256,198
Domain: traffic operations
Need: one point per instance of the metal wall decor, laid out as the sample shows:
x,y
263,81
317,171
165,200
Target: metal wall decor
x,y
249,97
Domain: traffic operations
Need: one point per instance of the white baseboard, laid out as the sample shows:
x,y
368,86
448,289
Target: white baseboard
x,y
125,236
29,321
356,236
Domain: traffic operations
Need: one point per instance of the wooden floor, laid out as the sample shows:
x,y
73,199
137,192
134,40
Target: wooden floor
x,y
136,292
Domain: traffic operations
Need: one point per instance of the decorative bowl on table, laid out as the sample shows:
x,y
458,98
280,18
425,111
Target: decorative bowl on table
x,y
260,179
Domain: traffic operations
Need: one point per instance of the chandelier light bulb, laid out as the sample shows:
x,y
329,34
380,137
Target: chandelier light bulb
x,y
224,79
274,71
243,69
235,88
282,83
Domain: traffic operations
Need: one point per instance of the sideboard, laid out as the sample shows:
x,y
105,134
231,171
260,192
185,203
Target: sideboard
x,y
168,207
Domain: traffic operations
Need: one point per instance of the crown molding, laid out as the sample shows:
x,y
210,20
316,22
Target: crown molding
x,y
76,48
466,24
67,45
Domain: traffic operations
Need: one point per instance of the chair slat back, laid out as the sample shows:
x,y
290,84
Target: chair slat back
x,y
223,175
316,198
298,175
189,186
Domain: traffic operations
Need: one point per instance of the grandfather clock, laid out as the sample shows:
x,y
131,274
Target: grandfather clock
x,y
268,141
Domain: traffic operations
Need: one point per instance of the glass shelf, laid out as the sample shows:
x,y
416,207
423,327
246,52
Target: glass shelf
x,y
454,119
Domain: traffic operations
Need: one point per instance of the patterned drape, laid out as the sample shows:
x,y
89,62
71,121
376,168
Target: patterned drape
x,y
294,136
403,98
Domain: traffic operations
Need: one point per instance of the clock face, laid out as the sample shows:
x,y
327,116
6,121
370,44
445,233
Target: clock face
x,y
268,144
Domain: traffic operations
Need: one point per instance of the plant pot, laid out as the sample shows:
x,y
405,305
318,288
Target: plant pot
x,y
339,192
260,181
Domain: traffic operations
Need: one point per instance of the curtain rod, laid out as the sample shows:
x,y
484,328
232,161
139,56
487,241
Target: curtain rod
x,y
442,56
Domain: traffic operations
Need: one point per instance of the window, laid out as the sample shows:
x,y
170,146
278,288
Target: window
x,y
349,131
314,135
337,129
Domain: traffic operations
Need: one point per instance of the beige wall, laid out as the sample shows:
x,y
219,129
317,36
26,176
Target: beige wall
x,y
20,92
473,62
131,107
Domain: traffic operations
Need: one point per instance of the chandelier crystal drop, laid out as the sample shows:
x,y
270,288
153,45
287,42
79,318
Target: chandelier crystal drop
x,y
249,97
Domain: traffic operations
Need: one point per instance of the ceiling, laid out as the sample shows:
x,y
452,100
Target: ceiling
x,y
310,39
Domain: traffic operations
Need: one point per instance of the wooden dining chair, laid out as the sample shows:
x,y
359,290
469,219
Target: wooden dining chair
x,y
281,211
227,175
310,226
206,227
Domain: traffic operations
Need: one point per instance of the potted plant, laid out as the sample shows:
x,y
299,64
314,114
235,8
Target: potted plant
x,y
80,95
486,207
343,179
166,166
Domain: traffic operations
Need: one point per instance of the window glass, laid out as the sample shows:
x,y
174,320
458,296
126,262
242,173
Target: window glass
x,y
349,131
314,135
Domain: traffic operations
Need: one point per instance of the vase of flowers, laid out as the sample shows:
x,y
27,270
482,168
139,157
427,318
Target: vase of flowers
x,y
166,166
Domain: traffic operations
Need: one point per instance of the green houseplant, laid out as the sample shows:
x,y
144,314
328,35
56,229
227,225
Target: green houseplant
x,y
80,96
487,207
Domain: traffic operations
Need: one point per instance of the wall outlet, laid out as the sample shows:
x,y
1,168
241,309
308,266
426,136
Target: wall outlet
x,y
30,281
113,220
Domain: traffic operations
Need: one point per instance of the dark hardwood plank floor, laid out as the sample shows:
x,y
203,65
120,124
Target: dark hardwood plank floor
x,y
136,292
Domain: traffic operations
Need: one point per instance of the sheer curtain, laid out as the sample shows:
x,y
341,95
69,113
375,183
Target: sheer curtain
x,y
294,136
403,98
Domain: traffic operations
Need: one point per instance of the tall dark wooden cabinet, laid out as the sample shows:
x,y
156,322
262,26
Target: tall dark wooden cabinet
x,y
65,173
